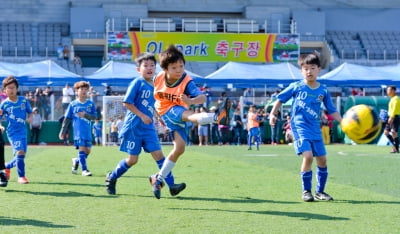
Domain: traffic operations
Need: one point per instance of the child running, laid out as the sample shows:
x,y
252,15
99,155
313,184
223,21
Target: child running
x,y
18,111
309,97
138,130
174,92
81,112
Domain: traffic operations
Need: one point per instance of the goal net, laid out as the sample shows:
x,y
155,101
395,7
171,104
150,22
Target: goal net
x,y
113,110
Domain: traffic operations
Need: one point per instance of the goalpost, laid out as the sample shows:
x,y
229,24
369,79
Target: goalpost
x,y
113,108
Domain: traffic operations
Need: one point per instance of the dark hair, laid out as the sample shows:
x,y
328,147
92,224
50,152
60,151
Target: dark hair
x,y
170,55
311,59
390,86
145,56
9,80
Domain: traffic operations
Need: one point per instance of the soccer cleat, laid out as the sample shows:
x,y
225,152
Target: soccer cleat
x,y
222,115
86,173
156,185
75,165
3,179
323,196
175,189
23,180
110,184
307,196
8,173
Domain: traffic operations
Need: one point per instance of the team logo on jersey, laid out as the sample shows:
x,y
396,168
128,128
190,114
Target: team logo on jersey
x,y
23,106
320,97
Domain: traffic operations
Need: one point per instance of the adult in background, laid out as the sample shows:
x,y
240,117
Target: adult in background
x,y
67,94
393,122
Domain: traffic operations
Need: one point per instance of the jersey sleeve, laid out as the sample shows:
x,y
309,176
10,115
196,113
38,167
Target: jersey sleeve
x,y
329,103
132,91
287,93
192,90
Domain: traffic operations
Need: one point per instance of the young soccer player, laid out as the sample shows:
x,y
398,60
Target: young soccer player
x,y
253,128
308,96
3,175
18,111
138,130
81,112
174,92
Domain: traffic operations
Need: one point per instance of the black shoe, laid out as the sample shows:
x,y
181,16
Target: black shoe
x,y
175,189
307,196
110,184
323,197
3,179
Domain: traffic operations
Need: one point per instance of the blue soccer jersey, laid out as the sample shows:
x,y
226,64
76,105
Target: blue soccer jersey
x,y
306,109
16,113
139,94
82,126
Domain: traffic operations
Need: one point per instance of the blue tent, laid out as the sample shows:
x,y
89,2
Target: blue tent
x,y
251,75
358,75
120,74
43,73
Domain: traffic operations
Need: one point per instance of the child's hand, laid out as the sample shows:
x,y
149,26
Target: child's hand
x,y
272,120
185,99
2,128
81,114
145,119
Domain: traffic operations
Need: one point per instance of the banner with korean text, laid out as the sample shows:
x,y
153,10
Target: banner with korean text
x,y
207,47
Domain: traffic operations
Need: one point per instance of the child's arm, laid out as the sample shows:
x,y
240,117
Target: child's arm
x,y
274,111
200,99
132,108
64,128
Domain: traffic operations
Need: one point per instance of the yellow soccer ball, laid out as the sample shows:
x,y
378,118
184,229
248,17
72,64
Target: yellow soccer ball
x,y
361,124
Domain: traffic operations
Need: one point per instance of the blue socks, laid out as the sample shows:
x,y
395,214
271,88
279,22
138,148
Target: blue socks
x,y
306,178
19,162
121,168
322,176
82,156
169,179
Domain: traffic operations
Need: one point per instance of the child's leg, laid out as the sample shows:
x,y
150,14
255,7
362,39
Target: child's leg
x,y
120,169
169,179
2,160
177,151
20,162
306,172
322,177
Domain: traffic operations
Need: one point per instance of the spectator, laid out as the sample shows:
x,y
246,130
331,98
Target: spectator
x,y
48,94
35,126
274,130
93,94
247,94
97,128
107,91
207,92
326,127
66,55
215,133
39,101
77,63
287,130
203,130
237,127
67,95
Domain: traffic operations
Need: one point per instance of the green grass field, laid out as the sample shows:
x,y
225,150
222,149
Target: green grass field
x,y
229,190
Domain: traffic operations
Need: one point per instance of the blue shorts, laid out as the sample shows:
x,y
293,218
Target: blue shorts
x,y
203,130
82,143
254,131
133,140
173,121
316,146
18,144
